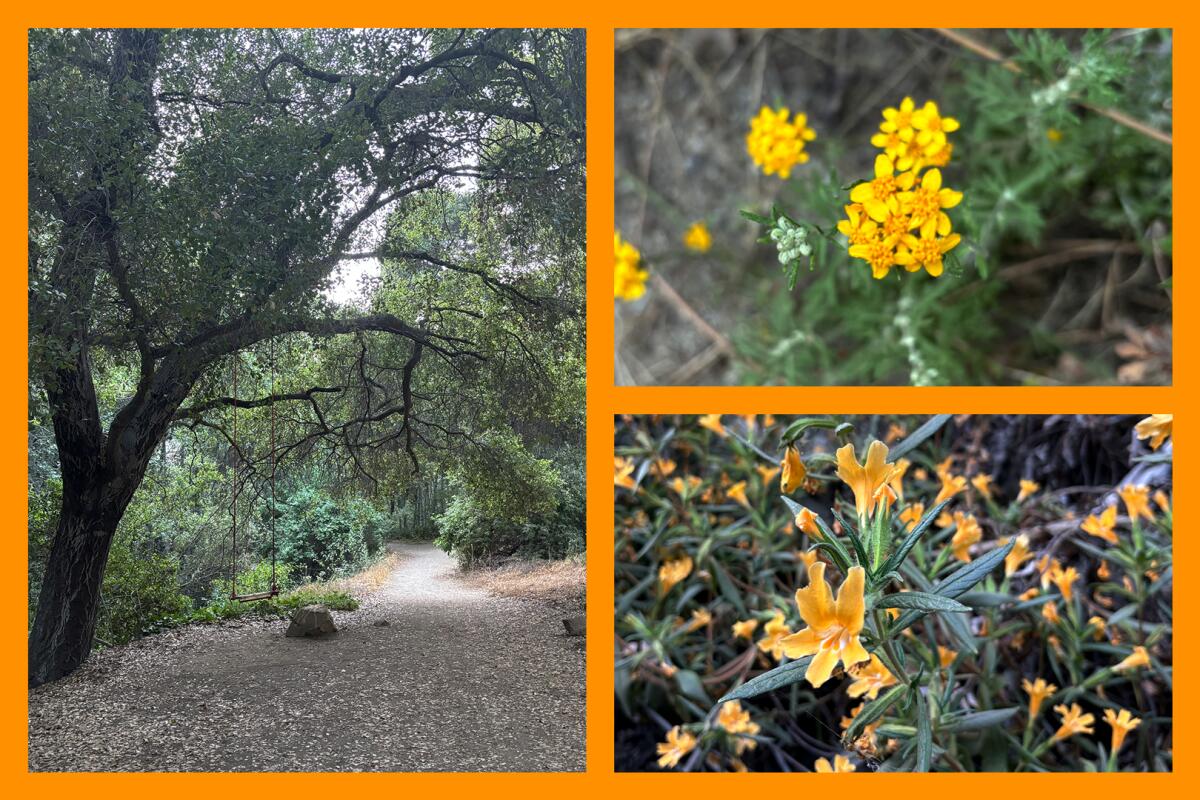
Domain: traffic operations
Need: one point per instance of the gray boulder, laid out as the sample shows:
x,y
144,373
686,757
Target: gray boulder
x,y
575,626
312,621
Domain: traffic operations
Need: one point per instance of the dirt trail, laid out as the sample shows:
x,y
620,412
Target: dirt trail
x,y
459,680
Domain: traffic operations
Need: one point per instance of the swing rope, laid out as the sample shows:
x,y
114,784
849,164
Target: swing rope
x,y
274,590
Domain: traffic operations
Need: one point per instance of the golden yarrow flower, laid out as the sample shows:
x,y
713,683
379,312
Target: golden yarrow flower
x,y
629,277
833,627
926,252
777,145
925,204
698,238
932,127
678,744
879,196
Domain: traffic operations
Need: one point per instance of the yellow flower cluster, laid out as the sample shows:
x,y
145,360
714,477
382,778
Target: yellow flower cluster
x,y
629,277
776,144
899,217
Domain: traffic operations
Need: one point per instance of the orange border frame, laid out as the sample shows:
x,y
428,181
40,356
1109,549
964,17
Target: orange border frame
x,y
603,400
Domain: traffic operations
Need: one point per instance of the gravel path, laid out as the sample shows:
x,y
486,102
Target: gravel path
x,y
460,680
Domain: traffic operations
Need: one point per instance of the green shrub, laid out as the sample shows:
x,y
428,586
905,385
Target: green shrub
x,y
474,536
256,579
276,608
319,537
140,591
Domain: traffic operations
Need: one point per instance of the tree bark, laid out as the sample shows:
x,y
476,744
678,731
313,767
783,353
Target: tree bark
x,y
67,608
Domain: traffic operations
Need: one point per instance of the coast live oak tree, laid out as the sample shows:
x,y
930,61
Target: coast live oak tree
x,y
193,191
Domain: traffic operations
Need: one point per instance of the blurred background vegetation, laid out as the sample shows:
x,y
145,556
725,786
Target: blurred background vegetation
x,y
1064,157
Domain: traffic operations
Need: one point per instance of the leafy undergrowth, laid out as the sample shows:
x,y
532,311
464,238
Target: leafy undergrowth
x,y
979,594
338,594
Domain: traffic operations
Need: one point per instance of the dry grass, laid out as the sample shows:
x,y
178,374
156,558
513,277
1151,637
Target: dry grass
x,y
361,583
561,583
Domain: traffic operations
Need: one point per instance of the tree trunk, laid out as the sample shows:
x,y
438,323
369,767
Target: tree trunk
x,y
70,597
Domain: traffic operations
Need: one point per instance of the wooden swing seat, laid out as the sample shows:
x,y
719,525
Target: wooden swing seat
x,y
250,598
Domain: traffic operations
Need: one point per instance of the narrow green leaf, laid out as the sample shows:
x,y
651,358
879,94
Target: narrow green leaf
x,y
977,720
728,590
919,435
626,601
924,735
829,542
689,684
785,675
798,427
970,574
897,558
959,582
873,711
921,601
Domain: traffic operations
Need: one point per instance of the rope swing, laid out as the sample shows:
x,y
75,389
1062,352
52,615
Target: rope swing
x,y
274,590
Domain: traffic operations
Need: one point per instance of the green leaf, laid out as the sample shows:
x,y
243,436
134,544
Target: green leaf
x,y
897,558
959,582
921,601
924,735
919,435
873,711
970,574
761,220
798,427
977,720
785,675
690,685
627,600
986,599
728,590
829,542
